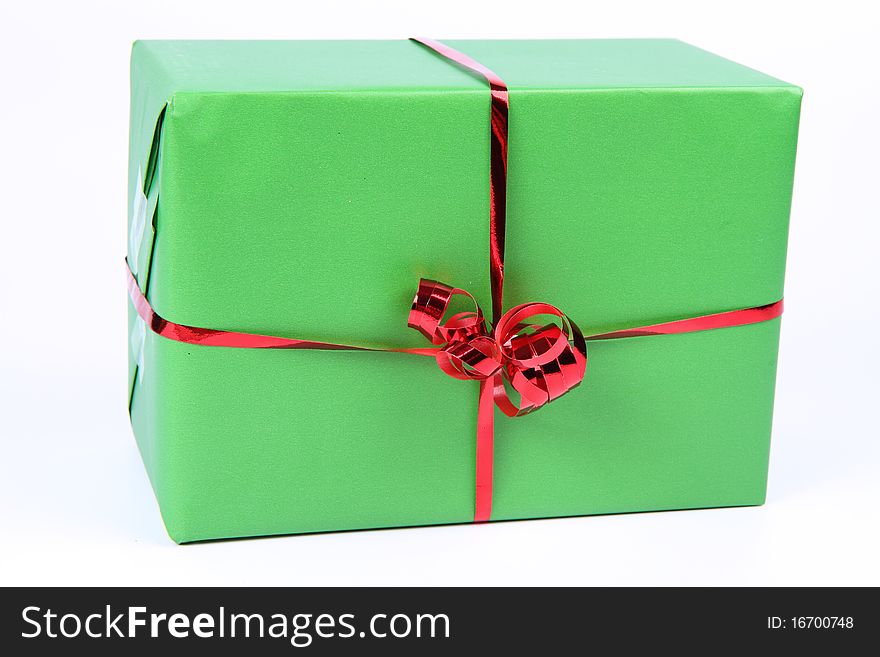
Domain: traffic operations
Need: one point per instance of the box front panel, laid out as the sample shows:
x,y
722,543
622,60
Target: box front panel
x,y
314,215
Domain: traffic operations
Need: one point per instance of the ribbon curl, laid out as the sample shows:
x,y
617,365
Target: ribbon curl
x,y
541,362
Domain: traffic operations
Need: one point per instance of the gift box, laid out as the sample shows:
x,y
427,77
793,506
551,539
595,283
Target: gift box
x,y
302,189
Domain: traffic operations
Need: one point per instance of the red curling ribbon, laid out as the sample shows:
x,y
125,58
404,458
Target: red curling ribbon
x,y
498,134
703,323
218,338
540,362
497,163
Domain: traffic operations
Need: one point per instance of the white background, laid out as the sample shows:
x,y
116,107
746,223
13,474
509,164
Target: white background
x,y
76,503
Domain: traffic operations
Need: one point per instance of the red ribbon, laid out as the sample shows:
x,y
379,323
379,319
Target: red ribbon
x,y
497,165
539,362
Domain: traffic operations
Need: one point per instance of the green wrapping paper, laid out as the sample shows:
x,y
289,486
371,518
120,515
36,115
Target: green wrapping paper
x,y
301,189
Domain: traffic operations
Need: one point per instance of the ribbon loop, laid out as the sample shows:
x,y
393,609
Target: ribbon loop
x,y
475,358
429,307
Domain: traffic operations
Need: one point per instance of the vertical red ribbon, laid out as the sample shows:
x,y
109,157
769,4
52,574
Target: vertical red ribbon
x,y
497,224
497,165
485,451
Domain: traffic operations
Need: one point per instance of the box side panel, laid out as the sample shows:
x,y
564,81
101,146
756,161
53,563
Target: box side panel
x,y
149,92
147,410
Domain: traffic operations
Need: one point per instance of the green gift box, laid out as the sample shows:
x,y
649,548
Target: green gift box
x,y
301,189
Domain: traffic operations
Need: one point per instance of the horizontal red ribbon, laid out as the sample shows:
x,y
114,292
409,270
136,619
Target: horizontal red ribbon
x,y
235,339
219,338
702,323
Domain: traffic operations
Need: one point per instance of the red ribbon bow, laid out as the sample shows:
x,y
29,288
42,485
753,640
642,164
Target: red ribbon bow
x,y
541,362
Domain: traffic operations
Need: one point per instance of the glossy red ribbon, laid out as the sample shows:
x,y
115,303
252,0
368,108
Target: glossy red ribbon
x,y
539,362
497,164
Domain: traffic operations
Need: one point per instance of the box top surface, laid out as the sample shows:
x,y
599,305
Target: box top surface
x,y
272,66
